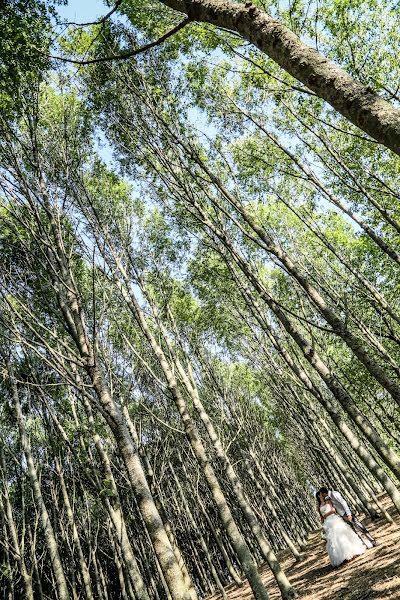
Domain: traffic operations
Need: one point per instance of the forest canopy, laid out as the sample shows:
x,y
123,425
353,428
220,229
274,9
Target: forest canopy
x,y
199,320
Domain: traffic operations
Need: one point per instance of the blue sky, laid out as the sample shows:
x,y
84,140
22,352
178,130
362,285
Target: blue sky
x,y
82,10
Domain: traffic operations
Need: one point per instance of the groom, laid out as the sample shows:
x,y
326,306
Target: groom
x,y
343,510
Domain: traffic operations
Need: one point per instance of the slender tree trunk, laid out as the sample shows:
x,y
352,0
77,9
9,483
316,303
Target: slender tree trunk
x,y
114,508
336,201
118,563
51,543
339,326
73,316
154,525
234,574
7,510
25,576
77,543
38,582
167,525
288,541
318,426
285,587
387,454
97,579
241,548
200,537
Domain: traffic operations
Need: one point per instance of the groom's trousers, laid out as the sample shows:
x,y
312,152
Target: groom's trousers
x,y
358,528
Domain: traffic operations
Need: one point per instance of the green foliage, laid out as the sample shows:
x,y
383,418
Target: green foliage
x,y
211,150
25,32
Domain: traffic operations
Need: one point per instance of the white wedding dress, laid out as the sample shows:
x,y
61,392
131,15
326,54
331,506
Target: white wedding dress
x,y
341,541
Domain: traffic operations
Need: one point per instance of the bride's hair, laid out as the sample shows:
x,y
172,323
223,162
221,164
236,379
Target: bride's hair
x,y
324,490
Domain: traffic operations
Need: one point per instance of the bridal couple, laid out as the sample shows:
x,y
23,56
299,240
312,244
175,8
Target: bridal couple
x,y
342,530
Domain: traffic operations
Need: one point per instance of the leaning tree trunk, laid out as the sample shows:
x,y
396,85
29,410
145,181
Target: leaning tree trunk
x,y
154,525
311,417
69,301
75,536
336,201
250,516
357,489
50,539
267,553
390,458
218,540
16,546
161,510
113,507
339,326
241,548
355,101
281,528
200,536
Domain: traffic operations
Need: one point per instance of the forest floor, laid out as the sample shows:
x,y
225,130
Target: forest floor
x,y
373,576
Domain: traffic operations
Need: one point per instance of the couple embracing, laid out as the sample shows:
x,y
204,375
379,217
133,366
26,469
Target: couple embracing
x,y
342,530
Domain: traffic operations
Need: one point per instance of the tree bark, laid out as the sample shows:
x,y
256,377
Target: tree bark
x,y
77,542
113,506
72,313
241,548
356,102
8,512
51,542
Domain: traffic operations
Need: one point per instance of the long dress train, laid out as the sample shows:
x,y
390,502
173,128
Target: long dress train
x,y
341,541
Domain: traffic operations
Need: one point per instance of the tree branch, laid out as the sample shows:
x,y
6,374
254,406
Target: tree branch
x,y
128,54
358,103
101,20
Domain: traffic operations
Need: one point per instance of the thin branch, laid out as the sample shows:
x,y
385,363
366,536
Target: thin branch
x,y
297,88
163,423
101,20
128,54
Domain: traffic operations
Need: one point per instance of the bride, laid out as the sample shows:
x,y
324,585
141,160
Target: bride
x,y
342,543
